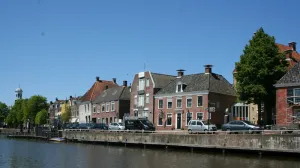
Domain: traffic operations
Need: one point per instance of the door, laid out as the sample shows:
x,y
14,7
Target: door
x,y
178,121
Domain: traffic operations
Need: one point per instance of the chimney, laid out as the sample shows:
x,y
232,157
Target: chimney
x,y
97,78
293,45
180,73
208,69
106,87
71,97
114,80
56,99
125,83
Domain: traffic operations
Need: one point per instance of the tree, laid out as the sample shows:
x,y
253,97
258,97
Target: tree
x,y
260,67
18,109
36,104
4,110
41,117
11,119
66,115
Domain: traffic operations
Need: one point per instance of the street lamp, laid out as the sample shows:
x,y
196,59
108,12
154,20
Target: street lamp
x,y
188,116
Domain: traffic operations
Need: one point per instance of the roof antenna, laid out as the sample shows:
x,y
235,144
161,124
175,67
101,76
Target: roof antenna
x,y
144,67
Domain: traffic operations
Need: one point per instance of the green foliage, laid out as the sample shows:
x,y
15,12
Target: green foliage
x,y
260,67
4,110
41,117
36,104
11,118
66,115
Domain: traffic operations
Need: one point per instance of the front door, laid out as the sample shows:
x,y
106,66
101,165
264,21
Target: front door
x,y
178,121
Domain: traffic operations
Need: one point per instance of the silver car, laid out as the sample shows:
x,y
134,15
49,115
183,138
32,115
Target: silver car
x,y
197,126
116,126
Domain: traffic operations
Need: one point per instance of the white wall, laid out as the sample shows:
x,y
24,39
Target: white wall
x,y
83,112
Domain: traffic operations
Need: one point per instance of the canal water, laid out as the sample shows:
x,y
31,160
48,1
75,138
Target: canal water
x,y
39,154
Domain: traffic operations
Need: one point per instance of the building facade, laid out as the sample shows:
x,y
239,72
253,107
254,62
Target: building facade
x,y
144,86
189,97
288,97
74,105
112,104
54,111
87,105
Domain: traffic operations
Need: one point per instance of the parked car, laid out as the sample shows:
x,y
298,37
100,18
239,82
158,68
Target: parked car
x,y
139,124
101,126
86,126
196,126
74,126
241,125
116,126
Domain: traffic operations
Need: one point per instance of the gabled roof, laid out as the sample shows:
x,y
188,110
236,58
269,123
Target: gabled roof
x,y
291,78
114,93
161,80
200,82
97,88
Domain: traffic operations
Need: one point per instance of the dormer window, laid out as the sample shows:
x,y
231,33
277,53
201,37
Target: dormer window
x,y
179,87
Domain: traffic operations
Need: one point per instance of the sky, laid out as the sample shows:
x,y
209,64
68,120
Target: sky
x,y
56,48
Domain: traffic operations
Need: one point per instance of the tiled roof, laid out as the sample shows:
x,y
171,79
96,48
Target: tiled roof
x,y
97,88
161,80
114,93
284,48
291,78
201,82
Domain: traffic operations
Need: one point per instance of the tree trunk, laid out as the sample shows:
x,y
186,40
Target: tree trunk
x,y
259,114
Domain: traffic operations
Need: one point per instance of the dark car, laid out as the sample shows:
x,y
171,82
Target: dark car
x,y
74,126
139,124
101,126
85,126
241,126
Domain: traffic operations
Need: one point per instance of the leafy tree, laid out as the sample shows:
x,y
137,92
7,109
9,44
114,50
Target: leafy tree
x,y
11,119
41,117
4,110
260,66
36,104
66,115
18,109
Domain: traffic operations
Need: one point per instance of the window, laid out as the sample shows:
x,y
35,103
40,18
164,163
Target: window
x,y
147,98
160,120
200,116
147,82
179,103
189,117
200,101
199,123
169,103
135,100
141,84
103,107
88,107
179,87
188,102
293,95
160,103
169,119
193,123
99,108
94,108
141,100
84,108
107,107
112,106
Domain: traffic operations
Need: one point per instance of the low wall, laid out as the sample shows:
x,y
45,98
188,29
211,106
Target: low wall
x,y
275,143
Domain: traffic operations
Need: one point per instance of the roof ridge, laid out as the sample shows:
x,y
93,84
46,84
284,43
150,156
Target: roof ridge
x,y
163,74
94,86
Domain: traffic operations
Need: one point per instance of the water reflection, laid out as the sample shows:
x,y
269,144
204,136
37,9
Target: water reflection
x,y
37,154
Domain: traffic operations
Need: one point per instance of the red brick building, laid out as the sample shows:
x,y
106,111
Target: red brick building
x,y
112,104
144,86
288,97
188,96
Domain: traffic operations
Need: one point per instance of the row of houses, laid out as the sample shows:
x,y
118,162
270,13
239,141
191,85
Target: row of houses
x,y
171,101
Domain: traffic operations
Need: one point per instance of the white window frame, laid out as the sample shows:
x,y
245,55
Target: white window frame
x,y
169,100
177,102
103,105
112,104
136,100
99,108
141,84
181,89
94,109
147,82
186,100
141,100
167,119
162,119
186,116
159,100
202,115
107,107
147,98
198,100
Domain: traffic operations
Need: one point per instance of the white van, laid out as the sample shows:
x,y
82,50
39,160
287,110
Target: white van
x,y
197,126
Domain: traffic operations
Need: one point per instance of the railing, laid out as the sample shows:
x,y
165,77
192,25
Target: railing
x,y
185,132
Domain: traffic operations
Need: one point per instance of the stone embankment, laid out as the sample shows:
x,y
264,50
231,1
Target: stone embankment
x,y
261,143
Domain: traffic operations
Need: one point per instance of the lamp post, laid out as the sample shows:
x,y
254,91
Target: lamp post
x,y
188,116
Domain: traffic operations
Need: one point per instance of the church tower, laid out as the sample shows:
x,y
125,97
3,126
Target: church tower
x,y
19,93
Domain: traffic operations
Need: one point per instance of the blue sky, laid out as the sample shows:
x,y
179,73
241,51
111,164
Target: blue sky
x,y
56,48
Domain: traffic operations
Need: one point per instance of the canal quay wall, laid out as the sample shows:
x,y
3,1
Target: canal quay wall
x,y
261,143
